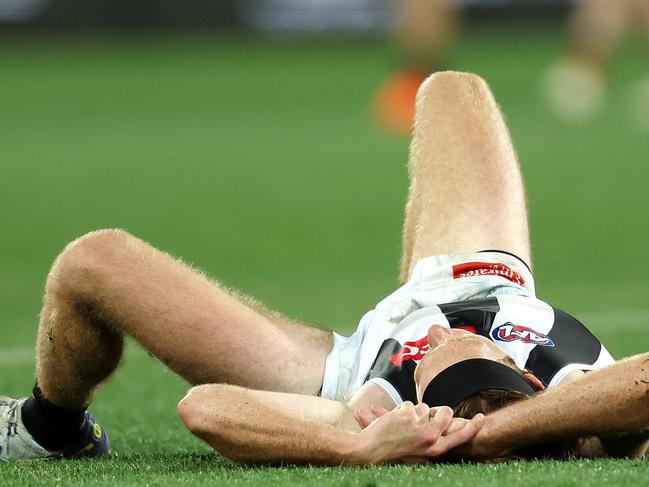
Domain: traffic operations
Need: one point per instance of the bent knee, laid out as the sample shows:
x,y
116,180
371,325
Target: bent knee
x,y
452,86
86,259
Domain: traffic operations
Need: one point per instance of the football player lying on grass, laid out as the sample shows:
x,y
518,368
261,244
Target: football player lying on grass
x,y
465,330
604,413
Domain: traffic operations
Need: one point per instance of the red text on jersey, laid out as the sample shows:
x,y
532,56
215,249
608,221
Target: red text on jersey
x,y
410,351
474,269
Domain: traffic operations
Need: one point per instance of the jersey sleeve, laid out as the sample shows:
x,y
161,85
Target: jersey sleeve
x,y
394,370
574,348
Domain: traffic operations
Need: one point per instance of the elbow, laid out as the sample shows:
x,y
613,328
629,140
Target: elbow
x,y
200,414
192,411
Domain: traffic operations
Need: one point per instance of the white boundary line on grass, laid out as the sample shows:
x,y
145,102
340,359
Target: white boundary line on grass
x,y
596,319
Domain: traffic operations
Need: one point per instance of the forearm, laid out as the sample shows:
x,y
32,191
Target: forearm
x,y
260,426
608,402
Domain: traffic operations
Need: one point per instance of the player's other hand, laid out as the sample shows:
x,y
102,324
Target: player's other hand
x,y
412,434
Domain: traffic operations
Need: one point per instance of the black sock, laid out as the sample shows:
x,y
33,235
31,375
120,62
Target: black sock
x,y
53,427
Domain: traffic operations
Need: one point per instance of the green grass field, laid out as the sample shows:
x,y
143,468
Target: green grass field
x,y
258,162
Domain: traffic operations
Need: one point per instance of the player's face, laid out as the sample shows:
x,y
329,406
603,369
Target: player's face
x,y
448,347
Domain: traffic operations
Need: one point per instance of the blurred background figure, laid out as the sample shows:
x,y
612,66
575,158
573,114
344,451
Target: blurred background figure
x,y
576,85
424,32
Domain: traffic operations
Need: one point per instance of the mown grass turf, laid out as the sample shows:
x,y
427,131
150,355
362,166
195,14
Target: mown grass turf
x,y
193,469
257,161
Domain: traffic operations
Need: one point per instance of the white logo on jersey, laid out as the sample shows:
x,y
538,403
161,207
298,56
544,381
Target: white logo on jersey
x,y
509,332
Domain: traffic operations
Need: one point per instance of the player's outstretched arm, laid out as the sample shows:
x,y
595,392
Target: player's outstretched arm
x,y
260,426
611,403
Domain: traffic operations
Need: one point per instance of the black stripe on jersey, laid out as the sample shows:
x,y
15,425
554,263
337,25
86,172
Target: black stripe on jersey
x,y
401,377
573,344
479,313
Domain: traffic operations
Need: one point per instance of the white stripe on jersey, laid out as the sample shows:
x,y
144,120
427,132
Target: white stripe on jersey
x,y
520,323
530,313
520,327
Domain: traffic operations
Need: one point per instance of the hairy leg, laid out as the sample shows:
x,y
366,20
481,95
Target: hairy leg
x,y
108,284
466,189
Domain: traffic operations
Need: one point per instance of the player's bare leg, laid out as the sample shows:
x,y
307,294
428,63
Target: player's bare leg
x,y
596,28
576,85
423,34
466,189
109,284
425,29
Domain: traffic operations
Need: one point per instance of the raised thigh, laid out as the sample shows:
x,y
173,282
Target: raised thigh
x,y
466,189
195,326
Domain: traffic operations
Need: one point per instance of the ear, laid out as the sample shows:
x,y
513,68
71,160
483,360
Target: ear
x,y
534,380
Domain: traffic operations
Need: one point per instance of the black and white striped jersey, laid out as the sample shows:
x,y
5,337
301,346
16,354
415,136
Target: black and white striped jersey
x,y
538,337
489,293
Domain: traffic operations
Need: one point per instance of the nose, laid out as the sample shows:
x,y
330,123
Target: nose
x,y
437,335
